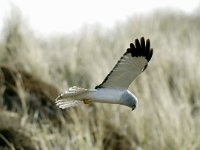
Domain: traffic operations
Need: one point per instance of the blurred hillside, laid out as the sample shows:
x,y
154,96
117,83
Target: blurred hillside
x,y
34,69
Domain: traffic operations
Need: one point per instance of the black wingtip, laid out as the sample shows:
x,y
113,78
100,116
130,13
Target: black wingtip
x,y
142,41
150,54
141,48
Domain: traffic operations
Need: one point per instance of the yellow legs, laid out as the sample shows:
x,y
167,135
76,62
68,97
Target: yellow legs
x,y
87,101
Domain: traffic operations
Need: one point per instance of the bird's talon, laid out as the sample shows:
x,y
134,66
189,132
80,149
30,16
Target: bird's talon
x,y
87,101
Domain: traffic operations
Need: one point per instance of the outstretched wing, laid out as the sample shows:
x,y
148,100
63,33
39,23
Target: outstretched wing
x,y
131,64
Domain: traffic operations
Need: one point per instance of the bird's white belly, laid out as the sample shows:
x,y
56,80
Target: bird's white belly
x,y
105,95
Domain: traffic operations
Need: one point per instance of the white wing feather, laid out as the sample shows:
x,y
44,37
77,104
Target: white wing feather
x,y
126,71
130,65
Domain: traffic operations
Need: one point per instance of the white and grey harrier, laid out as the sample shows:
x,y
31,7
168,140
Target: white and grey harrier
x,y
114,88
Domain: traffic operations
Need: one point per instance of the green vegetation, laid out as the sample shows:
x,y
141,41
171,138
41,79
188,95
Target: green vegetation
x,y
33,68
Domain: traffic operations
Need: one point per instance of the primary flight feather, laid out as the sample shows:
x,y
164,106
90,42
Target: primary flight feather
x,y
114,88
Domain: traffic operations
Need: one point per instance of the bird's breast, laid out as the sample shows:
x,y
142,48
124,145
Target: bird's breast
x,y
106,95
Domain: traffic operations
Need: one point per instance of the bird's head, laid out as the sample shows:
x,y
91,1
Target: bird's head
x,y
128,99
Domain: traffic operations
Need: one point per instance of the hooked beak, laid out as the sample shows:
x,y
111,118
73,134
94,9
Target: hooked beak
x,y
134,106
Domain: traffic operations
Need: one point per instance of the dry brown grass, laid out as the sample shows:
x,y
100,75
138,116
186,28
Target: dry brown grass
x,y
168,91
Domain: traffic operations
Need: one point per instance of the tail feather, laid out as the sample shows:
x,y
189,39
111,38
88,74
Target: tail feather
x,y
68,103
71,98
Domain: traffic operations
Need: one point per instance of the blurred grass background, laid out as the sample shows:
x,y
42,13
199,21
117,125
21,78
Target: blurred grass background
x,y
35,69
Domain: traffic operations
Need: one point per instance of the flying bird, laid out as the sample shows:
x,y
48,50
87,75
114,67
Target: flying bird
x,y
114,88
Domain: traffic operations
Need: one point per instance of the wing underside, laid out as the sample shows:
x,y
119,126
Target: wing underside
x,y
131,64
